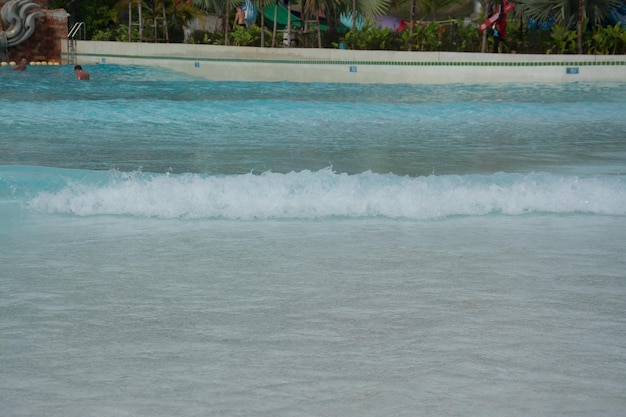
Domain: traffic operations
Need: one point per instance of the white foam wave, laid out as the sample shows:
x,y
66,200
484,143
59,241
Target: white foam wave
x,y
324,193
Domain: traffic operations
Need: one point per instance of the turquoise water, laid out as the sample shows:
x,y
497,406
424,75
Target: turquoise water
x,y
174,246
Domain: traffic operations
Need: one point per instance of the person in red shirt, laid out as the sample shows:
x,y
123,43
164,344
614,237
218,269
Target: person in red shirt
x,y
499,31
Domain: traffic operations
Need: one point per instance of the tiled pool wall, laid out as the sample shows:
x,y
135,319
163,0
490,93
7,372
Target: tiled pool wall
x,y
223,63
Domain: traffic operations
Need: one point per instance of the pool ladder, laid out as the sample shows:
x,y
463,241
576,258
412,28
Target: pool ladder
x,y
77,29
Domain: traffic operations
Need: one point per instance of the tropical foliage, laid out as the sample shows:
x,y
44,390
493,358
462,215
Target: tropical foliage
x,y
372,38
566,12
459,37
249,37
108,20
565,41
430,7
96,14
609,40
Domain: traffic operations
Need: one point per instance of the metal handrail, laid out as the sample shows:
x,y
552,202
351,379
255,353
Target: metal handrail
x,y
77,26
71,41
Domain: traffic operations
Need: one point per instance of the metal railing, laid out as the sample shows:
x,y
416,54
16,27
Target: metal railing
x,y
75,31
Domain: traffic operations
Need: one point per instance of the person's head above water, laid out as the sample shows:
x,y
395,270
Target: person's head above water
x,y
21,65
80,74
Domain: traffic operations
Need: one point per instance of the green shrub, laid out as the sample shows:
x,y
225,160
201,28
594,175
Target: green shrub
x,y
460,37
425,37
250,36
373,38
119,34
454,36
564,40
608,40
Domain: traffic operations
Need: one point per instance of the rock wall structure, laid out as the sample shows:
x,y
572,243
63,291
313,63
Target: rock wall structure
x,y
45,42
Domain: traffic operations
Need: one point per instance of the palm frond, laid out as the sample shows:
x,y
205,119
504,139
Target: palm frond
x,y
565,12
372,8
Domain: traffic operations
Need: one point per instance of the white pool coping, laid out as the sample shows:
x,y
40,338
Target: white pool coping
x,y
231,63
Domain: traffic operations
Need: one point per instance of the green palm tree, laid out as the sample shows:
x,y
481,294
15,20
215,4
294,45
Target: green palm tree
x,y
160,14
332,9
568,13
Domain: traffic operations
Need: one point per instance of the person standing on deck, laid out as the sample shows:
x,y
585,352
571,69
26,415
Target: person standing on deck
x,y
499,31
240,18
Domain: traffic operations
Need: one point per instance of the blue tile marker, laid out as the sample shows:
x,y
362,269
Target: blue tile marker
x,y
196,64
353,68
571,70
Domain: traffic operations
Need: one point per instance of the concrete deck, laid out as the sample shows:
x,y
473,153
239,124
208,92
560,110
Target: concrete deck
x,y
224,63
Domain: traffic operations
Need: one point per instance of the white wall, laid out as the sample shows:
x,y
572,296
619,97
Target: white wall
x,y
223,63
